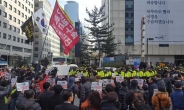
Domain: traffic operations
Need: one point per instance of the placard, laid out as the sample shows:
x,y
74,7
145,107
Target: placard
x,y
96,86
22,86
140,82
51,81
105,82
7,76
119,79
63,84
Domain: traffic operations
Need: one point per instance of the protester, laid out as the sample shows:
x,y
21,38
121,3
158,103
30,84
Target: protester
x,y
85,89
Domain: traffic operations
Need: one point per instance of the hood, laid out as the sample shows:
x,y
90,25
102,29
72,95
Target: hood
x,y
71,80
161,95
27,103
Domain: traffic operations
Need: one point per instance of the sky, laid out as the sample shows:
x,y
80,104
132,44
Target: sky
x,y
82,6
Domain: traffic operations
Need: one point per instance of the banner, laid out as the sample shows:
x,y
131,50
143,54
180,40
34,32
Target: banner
x,y
40,19
27,27
64,29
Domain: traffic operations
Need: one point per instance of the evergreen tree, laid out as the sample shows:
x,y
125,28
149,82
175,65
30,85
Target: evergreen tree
x,y
102,33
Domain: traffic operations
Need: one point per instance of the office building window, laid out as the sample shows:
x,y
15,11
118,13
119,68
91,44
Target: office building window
x,y
19,3
4,36
36,42
14,19
15,1
126,29
14,38
5,4
31,5
9,37
10,7
15,10
36,49
18,12
14,29
126,21
18,39
10,27
4,25
126,14
22,40
23,15
36,36
5,14
36,4
19,49
28,10
132,29
22,6
132,21
35,55
18,30
10,17
132,14
18,21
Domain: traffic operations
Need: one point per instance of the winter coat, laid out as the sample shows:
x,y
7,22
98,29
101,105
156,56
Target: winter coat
x,y
177,98
164,100
85,91
44,99
152,86
27,103
168,85
106,105
2,94
122,98
55,100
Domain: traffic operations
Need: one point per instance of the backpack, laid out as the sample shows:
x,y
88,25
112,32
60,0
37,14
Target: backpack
x,y
138,99
161,84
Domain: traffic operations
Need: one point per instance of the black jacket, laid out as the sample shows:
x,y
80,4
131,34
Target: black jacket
x,y
168,85
2,94
122,98
66,106
106,105
85,91
27,103
44,99
55,100
152,86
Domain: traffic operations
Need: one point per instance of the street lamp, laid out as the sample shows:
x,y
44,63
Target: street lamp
x,y
148,39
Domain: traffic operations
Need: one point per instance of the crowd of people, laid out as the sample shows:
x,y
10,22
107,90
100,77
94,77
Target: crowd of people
x,y
162,89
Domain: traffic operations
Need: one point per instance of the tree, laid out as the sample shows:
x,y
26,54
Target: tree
x,y
102,33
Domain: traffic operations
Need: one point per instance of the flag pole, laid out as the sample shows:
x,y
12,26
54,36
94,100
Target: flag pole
x,y
43,46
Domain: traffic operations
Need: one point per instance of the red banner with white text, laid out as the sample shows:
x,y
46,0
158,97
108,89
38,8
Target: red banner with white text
x,y
64,29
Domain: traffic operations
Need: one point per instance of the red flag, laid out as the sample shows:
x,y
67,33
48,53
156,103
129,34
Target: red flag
x,y
64,29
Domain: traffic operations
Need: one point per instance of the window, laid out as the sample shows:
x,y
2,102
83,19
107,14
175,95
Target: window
x,y
18,30
26,1
126,14
36,4
22,41
36,36
132,29
14,19
0,12
36,30
9,37
36,49
18,39
26,8
18,12
35,55
23,15
31,5
14,29
31,13
0,34
19,3
15,10
5,4
22,6
126,29
18,21
5,14
15,1
36,42
10,27
10,17
14,38
10,7
0,23
132,14
0,1
4,36
19,49
4,25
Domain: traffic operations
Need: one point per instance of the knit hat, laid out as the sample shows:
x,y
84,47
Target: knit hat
x,y
134,83
178,84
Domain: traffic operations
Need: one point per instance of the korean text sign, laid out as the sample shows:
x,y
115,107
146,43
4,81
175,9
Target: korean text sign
x,y
64,29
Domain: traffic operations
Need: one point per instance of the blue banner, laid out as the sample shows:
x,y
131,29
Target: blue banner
x,y
3,62
108,59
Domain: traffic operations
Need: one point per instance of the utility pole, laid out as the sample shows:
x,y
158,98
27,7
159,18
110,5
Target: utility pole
x,y
143,38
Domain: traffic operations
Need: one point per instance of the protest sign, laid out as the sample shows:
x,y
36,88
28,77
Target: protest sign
x,y
119,79
62,69
22,86
63,84
140,82
113,75
51,81
96,86
107,81
7,76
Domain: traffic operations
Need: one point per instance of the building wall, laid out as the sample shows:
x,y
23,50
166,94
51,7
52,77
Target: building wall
x,y
52,42
155,59
72,9
17,12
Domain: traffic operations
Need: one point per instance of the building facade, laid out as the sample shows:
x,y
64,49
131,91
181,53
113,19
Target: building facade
x,y
13,13
72,10
52,41
127,29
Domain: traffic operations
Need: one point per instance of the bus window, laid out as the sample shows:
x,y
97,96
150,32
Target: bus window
x,y
58,59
